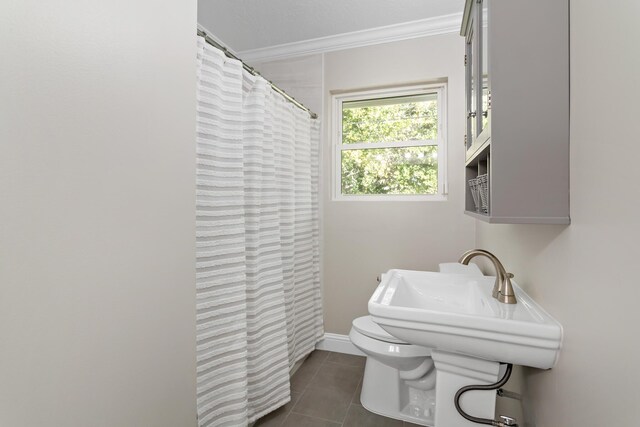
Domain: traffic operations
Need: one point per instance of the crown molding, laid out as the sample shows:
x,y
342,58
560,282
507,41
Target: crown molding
x,y
408,30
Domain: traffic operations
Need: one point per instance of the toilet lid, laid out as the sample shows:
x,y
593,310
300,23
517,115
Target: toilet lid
x,y
368,327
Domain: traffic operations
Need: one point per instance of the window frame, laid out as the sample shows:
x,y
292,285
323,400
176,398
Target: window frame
x,y
440,89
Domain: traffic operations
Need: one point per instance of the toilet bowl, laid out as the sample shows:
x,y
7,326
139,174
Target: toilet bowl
x,y
399,378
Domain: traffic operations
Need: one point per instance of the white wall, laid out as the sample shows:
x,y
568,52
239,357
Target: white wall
x,y
364,239
585,274
300,77
97,322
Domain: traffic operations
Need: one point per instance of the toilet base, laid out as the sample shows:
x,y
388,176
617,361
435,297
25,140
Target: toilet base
x,y
455,371
417,384
384,393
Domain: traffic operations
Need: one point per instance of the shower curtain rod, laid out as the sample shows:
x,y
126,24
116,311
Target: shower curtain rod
x,y
254,72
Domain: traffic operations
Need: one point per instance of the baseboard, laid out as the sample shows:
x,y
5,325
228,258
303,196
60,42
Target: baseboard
x,y
338,344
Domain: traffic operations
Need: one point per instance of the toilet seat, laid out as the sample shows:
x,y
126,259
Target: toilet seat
x,y
371,329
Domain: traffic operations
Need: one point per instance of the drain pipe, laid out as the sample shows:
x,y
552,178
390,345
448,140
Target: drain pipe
x,y
505,421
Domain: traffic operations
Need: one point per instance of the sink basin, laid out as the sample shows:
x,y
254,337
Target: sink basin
x,y
455,312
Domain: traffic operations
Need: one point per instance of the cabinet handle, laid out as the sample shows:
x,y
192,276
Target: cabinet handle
x,y
485,113
471,114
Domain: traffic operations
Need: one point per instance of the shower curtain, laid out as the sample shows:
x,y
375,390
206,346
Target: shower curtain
x,y
257,242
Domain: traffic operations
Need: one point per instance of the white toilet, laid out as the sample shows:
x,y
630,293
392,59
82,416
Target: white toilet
x,y
399,378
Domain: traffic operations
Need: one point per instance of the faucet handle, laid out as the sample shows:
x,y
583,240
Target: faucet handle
x,y
505,291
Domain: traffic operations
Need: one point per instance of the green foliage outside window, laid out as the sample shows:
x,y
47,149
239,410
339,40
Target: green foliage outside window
x,y
396,170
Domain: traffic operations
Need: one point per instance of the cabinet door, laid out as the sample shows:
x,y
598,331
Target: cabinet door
x,y
484,91
471,82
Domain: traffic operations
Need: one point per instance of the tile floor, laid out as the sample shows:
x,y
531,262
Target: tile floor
x,y
325,392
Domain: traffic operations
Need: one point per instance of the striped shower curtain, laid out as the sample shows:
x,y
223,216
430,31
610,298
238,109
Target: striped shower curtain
x,y
257,252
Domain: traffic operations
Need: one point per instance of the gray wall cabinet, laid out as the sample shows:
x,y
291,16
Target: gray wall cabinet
x,y
517,89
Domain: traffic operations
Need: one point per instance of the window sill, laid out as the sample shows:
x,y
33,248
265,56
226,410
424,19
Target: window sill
x,y
391,198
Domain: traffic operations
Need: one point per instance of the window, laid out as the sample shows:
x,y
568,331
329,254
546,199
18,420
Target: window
x,y
390,144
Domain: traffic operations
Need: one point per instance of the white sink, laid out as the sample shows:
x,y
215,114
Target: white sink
x,y
456,313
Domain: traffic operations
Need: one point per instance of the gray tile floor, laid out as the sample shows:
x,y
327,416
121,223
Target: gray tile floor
x,y
325,392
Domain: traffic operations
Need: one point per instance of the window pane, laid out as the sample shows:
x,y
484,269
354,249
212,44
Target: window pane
x,y
402,170
397,119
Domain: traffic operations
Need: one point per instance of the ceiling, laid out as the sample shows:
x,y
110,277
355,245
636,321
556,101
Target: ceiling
x,y
252,24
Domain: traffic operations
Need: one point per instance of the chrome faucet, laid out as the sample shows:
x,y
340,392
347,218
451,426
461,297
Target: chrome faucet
x,y
503,289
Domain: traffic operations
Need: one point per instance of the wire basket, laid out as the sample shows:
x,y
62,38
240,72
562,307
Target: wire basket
x,y
483,184
475,193
480,192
